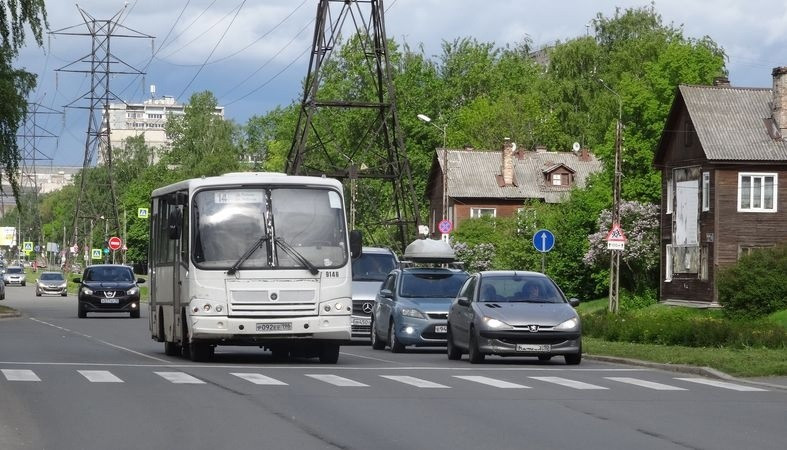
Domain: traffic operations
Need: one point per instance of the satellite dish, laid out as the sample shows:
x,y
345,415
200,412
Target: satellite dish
x,y
575,146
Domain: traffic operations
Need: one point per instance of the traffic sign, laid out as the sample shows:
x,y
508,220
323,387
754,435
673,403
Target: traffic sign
x,y
38,248
543,240
616,239
96,253
142,213
445,226
115,243
27,246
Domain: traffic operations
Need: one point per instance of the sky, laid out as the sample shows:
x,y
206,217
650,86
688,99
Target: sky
x,y
253,54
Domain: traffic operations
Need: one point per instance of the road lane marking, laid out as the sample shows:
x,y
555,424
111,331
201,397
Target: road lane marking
x,y
569,383
100,376
417,382
20,375
258,378
723,385
179,378
99,340
646,384
370,358
336,380
492,382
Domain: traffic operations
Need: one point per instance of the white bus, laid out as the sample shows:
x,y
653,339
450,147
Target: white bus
x,y
258,259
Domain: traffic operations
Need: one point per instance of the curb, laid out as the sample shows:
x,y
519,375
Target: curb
x,y
9,315
682,368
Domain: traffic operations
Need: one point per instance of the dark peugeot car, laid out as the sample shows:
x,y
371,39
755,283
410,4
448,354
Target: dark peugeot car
x,y
108,288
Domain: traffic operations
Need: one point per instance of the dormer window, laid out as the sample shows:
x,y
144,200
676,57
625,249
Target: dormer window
x,y
556,179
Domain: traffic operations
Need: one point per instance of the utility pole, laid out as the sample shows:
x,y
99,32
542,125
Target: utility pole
x,y
102,66
427,119
614,265
379,147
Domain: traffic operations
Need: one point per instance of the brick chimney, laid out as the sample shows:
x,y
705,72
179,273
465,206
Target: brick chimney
x,y
721,82
584,154
507,169
780,98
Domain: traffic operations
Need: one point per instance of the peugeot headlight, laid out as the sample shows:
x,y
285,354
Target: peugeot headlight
x,y
569,325
494,323
133,291
412,312
63,285
87,291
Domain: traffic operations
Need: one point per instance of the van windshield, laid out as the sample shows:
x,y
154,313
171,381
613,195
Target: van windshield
x,y
373,266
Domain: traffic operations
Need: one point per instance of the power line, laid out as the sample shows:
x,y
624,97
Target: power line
x,y
207,29
214,49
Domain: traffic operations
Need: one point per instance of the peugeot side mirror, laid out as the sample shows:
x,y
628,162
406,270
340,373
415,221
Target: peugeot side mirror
x,y
464,301
573,302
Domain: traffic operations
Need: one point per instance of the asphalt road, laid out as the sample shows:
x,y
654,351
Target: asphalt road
x,y
101,382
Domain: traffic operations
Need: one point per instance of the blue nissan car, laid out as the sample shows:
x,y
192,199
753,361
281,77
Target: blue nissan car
x,y
411,307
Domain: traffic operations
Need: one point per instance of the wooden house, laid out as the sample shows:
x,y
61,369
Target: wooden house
x,y
722,156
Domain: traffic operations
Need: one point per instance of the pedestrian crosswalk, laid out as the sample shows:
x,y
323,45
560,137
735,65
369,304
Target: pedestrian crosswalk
x,y
433,380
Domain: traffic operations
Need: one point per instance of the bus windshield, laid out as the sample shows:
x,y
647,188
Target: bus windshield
x,y
237,224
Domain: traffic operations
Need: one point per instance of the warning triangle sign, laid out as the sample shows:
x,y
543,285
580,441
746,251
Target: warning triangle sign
x,y
616,234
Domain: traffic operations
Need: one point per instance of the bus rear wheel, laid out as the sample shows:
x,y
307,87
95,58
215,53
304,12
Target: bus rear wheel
x,y
200,352
171,348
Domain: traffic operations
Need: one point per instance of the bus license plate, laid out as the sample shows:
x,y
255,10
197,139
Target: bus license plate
x,y
533,348
441,329
275,326
110,300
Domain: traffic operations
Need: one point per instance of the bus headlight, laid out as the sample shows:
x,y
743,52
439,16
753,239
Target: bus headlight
x,y
206,307
336,306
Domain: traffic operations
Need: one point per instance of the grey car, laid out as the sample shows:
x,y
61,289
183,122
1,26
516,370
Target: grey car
x,y
15,275
513,313
51,283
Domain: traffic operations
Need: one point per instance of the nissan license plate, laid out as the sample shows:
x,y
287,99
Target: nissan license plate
x,y
441,329
541,348
110,300
362,321
275,326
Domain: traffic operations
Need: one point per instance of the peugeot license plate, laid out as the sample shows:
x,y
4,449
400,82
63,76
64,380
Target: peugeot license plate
x,y
361,321
275,326
540,348
441,329
110,300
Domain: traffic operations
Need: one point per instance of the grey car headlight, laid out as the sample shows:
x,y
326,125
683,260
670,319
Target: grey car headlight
x,y
64,285
569,325
495,324
412,312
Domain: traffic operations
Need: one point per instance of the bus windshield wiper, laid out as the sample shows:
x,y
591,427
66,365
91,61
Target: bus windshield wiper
x,y
297,256
257,244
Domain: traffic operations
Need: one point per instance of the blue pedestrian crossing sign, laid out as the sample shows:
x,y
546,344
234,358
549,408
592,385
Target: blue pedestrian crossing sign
x,y
543,240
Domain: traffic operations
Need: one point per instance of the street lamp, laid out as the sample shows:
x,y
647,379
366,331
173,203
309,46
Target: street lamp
x,y
428,120
614,268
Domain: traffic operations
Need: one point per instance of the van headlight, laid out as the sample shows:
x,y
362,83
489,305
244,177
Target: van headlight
x,y
569,325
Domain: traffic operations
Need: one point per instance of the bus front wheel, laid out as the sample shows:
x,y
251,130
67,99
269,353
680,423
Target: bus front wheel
x,y
329,354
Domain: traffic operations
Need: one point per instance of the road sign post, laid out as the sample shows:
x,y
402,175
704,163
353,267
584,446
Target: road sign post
x,y
543,241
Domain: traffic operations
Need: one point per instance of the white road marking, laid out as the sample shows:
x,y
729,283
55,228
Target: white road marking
x,y
723,385
370,358
179,378
100,376
646,384
258,378
20,375
417,382
568,383
336,380
492,382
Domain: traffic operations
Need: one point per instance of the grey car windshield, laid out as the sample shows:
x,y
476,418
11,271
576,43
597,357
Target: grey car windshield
x,y
51,277
227,222
519,288
15,270
431,285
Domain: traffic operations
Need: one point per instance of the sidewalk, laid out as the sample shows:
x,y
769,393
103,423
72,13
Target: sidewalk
x,y
775,382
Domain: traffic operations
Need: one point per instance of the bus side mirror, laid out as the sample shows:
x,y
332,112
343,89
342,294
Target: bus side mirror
x,y
356,243
173,224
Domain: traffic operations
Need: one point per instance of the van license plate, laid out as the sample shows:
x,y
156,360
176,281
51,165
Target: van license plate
x,y
533,348
275,326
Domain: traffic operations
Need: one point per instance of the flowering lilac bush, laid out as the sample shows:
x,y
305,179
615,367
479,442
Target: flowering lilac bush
x,y
640,260
475,257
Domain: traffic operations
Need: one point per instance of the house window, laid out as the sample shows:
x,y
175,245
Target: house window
x,y
556,179
746,250
475,213
757,192
706,191
669,192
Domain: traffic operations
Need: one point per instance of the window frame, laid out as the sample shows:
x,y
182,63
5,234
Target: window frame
x,y
705,191
762,176
475,212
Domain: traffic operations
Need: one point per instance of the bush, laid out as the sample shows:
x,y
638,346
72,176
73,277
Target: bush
x,y
683,326
756,285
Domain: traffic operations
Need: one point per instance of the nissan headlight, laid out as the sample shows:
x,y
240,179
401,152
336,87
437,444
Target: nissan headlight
x,y
87,291
569,325
412,312
495,324
133,291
